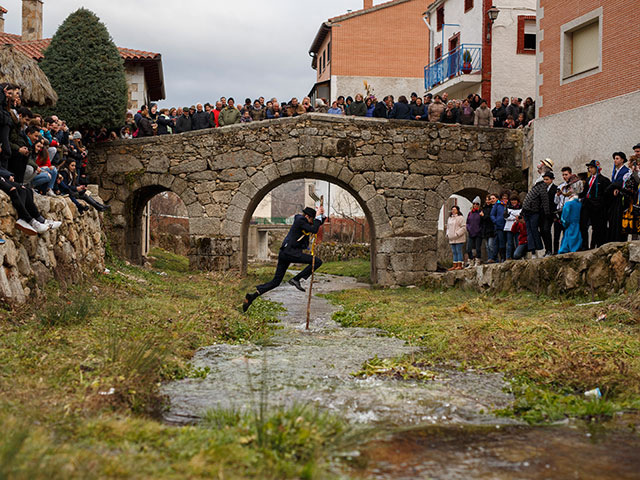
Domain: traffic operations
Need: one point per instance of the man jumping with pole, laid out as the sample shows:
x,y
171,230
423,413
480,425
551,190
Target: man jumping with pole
x,y
291,251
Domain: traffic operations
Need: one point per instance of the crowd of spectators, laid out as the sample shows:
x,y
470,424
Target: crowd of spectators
x,y
473,110
582,212
39,156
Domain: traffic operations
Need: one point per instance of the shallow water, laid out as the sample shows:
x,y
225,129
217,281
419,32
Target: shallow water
x,y
436,429
316,366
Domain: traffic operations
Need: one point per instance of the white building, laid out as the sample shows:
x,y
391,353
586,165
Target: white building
x,y
470,53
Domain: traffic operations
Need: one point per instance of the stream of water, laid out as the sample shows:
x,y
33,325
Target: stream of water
x,y
440,428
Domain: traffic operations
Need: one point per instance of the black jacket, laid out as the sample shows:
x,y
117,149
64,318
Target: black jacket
x,y
297,239
183,124
164,123
486,224
380,111
200,120
144,127
597,195
537,200
551,193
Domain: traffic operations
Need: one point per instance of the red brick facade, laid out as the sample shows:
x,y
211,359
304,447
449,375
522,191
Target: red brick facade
x,y
620,43
386,40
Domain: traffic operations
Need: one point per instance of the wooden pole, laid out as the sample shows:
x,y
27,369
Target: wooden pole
x,y
313,268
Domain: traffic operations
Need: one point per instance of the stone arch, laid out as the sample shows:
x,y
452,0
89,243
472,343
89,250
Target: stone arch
x,y
256,187
142,190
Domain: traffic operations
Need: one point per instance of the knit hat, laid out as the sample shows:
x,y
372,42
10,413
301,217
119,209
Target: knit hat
x,y
477,200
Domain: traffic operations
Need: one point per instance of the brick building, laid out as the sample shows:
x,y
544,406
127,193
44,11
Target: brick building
x,y
143,70
471,54
385,45
588,82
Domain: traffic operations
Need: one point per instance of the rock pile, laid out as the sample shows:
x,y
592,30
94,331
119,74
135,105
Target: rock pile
x,y
68,254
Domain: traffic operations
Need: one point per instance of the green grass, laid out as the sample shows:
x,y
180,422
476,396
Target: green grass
x,y
554,349
80,373
357,268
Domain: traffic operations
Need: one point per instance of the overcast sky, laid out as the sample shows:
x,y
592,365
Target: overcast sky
x,y
211,48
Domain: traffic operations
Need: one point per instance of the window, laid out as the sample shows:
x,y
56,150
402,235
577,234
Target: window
x,y
468,5
526,34
440,18
324,58
329,53
581,47
438,52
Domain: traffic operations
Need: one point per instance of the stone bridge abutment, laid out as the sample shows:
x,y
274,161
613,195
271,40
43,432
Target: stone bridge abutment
x,y
401,173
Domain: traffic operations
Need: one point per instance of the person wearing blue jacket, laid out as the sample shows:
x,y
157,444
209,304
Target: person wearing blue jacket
x,y
497,217
401,109
291,251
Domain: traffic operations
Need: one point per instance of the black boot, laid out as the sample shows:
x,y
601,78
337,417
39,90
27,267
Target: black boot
x,y
296,283
97,205
248,300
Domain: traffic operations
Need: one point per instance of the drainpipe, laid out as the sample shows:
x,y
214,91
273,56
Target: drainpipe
x,y
485,85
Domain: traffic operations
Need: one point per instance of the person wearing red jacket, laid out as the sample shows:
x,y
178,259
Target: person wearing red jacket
x,y
519,229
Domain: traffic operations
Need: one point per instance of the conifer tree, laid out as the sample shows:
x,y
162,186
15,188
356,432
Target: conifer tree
x,y
87,72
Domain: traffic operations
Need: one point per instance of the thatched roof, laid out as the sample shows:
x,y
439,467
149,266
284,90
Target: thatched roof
x,y
18,68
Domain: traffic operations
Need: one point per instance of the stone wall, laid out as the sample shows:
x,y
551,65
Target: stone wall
x,y
612,268
337,252
401,172
67,255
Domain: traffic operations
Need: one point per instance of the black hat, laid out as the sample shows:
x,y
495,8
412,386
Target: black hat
x,y
549,175
593,163
309,211
636,146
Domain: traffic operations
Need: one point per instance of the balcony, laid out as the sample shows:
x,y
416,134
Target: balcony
x,y
462,66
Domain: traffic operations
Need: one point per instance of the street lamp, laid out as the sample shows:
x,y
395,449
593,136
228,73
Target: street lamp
x,y
492,13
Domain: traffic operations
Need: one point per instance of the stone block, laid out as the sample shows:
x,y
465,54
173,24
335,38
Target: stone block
x,y
188,197
271,172
283,150
413,182
260,180
320,164
238,159
285,168
413,208
333,169
346,175
196,210
189,167
389,179
363,164
233,175
204,226
394,207
206,175
158,164
358,182
395,163
248,189
425,167
123,164
367,193
634,252
310,145
177,185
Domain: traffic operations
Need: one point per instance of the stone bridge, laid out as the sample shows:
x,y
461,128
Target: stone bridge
x,y
401,173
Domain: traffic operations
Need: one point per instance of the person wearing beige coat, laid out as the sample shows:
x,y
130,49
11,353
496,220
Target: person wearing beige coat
x,y
456,234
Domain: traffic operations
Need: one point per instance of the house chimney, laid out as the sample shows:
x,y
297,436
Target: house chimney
x,y
31,20
368,4
2,12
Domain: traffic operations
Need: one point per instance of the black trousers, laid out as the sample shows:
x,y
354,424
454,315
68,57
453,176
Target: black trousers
x,y
545,232
558,230
596,216
21,199
284,260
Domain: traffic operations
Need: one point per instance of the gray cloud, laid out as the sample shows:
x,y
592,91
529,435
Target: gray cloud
x,y
211,48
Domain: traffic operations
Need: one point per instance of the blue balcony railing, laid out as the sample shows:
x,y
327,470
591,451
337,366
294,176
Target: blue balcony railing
x,y
465,59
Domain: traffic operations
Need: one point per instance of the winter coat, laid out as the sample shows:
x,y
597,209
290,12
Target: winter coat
x,y
144,127
370,110
537,200
450,116
466,116
474,223
417,111
165,125
497,215
520,229
488,229
499,115
257,114
596,195
401,111
456,229
183,124
200,120
292,111
514,111
435,111
483,118
229,116
380,111
359,109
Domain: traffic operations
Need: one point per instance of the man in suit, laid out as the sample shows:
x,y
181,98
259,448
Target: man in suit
x,y
291,251
594,207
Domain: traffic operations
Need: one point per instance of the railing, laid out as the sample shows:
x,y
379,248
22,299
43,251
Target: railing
x,y
465,59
